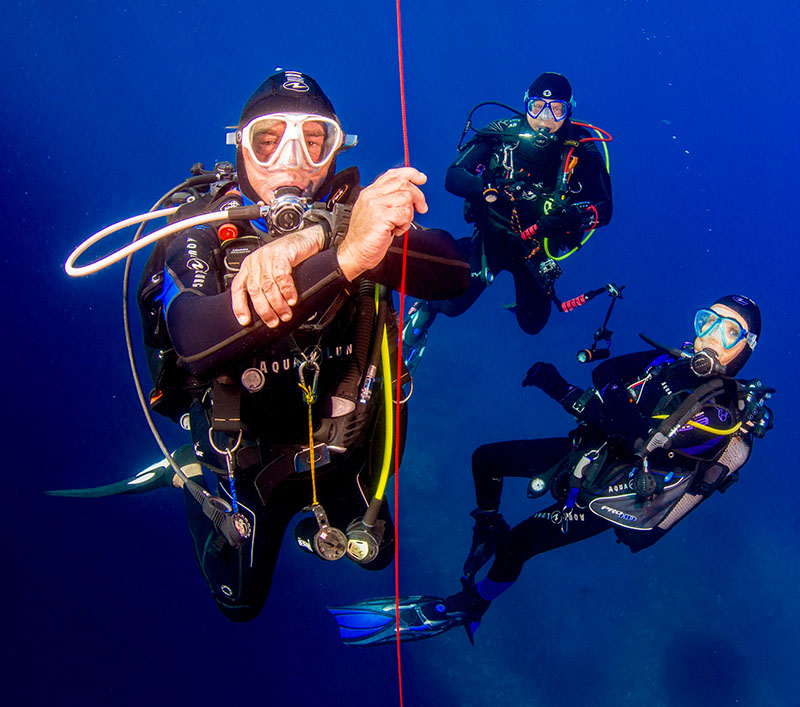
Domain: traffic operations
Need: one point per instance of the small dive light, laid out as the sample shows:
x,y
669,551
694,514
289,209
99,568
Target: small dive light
x,y
490,194
592,354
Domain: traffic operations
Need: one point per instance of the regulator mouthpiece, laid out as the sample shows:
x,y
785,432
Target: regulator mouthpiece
x,y
364,541
543,138
705,363
285,211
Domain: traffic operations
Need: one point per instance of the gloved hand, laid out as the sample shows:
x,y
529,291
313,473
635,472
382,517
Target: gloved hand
x,y
564,222
546,377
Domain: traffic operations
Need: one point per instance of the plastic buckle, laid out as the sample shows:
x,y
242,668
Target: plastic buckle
x,y
580,404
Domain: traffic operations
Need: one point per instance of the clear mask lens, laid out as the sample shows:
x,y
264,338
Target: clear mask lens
x,y
292,140
730,332
547,110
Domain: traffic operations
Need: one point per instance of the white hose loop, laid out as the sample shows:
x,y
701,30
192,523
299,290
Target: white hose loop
x,y
73,271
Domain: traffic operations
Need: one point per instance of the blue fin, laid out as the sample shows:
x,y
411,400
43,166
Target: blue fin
x,y
373,623
471,627
415,333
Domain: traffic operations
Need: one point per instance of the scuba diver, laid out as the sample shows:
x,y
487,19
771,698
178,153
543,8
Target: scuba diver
x,y
271,336
657,435
533,186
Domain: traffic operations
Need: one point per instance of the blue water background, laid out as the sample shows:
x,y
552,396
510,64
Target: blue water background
x,y
107,105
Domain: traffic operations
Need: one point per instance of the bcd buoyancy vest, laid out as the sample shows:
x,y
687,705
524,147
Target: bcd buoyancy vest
x,y
341,419
607,478
524,180
173,387
673,472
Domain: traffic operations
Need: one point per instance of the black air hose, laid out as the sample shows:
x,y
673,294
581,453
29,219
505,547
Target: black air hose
x,y
685,411
365,316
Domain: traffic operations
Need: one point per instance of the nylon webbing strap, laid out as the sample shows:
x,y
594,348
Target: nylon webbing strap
x,y
341,221
226,410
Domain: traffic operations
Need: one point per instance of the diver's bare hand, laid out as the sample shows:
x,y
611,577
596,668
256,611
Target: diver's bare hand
x,y
266,277
383,211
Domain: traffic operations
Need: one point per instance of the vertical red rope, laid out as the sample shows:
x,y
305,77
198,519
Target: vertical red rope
x,y
398,393
402,83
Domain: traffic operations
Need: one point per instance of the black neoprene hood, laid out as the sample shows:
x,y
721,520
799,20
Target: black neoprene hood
x,y
551,86
746,309
750,312
287,91
290,92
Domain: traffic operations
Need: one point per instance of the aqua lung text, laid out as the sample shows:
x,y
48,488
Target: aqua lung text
x,y
287,364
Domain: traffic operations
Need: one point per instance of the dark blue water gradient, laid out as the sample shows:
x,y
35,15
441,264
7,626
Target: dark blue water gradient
x,y
107,105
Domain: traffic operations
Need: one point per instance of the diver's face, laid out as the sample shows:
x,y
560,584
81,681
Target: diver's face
x,y
713,341
289,150
304,145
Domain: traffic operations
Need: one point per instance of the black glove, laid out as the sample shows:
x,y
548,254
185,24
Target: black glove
x,y
546,377
564,222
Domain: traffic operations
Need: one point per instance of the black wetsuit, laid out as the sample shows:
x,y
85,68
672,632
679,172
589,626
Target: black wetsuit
x,y
524,179
634,388
251,376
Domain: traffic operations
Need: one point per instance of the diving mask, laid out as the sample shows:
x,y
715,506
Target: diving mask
x,y
731,332
297,140
541,108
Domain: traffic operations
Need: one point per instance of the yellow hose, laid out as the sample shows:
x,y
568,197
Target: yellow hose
x,y
706,428
386,465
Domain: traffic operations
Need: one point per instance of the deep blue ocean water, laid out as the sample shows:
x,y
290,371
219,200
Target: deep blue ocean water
x,y
107,105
